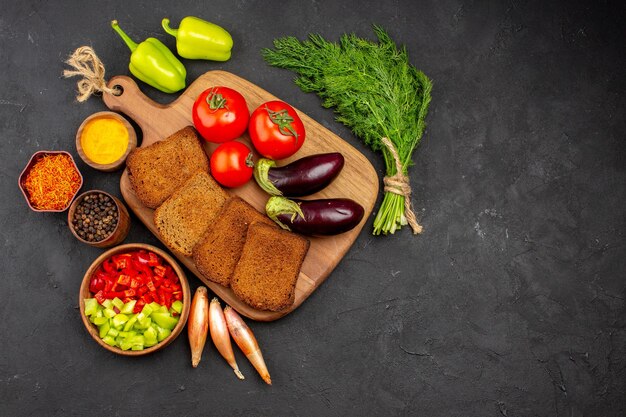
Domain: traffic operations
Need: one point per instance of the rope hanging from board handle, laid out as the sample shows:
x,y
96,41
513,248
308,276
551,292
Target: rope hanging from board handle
x,y
399,184
87,64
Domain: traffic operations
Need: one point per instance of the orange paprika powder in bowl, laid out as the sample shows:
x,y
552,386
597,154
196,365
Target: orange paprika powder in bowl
x,y
50,181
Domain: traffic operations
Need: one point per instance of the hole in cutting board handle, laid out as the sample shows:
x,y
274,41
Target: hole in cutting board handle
x,y
120,90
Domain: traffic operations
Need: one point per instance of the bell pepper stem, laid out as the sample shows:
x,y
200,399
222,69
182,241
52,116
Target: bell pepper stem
x,y
129,42
166,26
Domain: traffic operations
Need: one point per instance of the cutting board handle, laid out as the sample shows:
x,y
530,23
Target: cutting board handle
x,y
132,101
143,110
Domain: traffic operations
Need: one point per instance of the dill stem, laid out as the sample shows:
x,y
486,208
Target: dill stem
x,y
390,216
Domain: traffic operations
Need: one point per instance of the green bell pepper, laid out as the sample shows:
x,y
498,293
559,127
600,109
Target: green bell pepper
x,y
153,63
199,39
91,306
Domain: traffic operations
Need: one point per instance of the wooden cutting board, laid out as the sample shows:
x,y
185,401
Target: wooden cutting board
x,y
358,179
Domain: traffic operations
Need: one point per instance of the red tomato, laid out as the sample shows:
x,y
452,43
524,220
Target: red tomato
x,y
231,164
220,114
276,130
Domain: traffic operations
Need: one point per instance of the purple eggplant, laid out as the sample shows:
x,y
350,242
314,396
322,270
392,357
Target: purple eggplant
x,y
315,217
302,177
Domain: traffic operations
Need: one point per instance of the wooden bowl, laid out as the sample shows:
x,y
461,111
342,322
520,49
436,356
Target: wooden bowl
x,y
132,141
119,233
29,166
84,293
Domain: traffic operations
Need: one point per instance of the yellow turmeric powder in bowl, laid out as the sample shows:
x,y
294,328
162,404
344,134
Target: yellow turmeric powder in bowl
x,y
104,140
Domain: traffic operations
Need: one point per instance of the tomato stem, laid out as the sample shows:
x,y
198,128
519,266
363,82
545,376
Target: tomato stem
x,y
249,161
215,100
284,121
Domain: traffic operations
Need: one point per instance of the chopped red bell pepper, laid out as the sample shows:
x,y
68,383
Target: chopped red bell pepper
x,y
96,284
124,280
159,270
112,294
154,259
171,275
108,266
143,270
121,261
100,296
141,257
166,298
140,275
157,281
139,306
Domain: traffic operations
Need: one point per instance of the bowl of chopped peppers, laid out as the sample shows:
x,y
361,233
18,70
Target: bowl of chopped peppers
x,y
50,181
134,299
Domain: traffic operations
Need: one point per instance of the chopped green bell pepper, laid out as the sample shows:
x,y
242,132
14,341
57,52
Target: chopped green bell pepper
x,y
119,320
104,329
153,63
164,320
143,324
91,306
198,39
135,331
99,321
130,323
177,306
118,303
162,333
109,340
150,337
128,307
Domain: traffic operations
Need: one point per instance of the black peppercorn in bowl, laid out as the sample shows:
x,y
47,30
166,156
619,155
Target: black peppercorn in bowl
x,y
98,219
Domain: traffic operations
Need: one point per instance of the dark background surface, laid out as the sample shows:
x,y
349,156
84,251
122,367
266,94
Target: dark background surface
x,y
510,304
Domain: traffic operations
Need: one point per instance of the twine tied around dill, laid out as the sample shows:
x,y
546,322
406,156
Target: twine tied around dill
x,y
87,64
399,184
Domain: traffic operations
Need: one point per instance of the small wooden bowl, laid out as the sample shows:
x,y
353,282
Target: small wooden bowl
x,y
29,166
84,293
132,141
119,233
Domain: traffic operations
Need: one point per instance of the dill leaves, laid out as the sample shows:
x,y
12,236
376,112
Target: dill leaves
x,y
374,91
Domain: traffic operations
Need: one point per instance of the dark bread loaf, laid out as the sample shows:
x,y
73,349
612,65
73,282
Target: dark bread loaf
x,y
184,217
265,276
219,250
158,170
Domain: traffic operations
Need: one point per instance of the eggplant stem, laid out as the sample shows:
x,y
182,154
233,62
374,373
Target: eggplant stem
x,y
280,205
261,175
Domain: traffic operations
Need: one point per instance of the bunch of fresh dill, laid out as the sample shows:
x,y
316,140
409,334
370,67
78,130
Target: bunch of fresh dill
x,y
376,92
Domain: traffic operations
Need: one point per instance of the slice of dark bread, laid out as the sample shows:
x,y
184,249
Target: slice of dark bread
x,y
158,170
265,276
217,253
184,217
